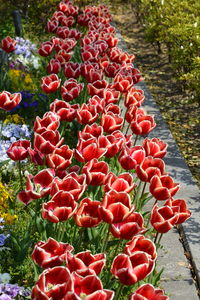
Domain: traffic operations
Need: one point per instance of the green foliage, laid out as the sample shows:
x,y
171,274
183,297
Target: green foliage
x,y
176,25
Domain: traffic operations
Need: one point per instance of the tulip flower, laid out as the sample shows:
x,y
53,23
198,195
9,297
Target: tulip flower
x,y
97,87
9,101
133,268
52,25
60,208
111,143
111,122
164,218
50,83
128,227
84,261
60,158
51,253
130,157
163,187
181,206
71,89
37,186
122,183
96,172
87,114
64,110
65,44
142,124
53,284
155,147
141,243
134,97
88,288
87,214
149,167
148,292
115,207
46,49
72,183
54,66
50,121
18,150
72,70
8,44
89,149
63,57
47,141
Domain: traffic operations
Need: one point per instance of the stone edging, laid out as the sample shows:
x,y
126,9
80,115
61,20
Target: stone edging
x,y
176,278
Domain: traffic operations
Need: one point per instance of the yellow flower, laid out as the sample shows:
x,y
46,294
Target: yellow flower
x,y
8,218
16,119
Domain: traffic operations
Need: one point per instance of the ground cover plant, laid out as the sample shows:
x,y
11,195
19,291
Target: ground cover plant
x,y
77,224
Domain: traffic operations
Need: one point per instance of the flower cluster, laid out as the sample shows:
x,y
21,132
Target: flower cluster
x,y
95,190
5,216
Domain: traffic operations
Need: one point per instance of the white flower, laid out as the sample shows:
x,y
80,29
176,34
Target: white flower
x,y
5,278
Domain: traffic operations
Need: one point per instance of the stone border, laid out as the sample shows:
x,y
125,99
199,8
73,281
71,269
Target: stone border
x,y
177,278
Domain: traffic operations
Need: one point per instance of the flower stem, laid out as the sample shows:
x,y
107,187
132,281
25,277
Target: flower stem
x,y
105,242
118,292
20,174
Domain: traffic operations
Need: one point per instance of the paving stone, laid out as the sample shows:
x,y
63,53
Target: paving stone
x,y
177,278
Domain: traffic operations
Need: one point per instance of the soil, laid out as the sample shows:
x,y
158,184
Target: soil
x,y
181,114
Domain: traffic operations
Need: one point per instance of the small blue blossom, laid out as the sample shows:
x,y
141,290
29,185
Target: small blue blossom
x,y
3,237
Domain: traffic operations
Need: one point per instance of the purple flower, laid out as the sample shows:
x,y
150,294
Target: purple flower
x,y
2,239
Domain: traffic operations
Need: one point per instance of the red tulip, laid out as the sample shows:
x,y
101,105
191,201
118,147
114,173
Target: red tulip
x,y
64,110
18,150
47,141
111,122
9,101
94,75
122,183
67,21
53,284
60,208
66,33
82,261
90,55
150,167
89,288
65,44
92,130
72,183
130,157
87,114
155,147
46,49
50,121
111,143
54,66
36,156
8,44
131,225
134,97
37,186
115,207
181,206
133,268
97,87
60,159
51,253
163,218
89,149
52,25
143,124
63,57
68,8
163,187
141,243
71,89
96,172
110,95
148,292
50,83
87,214
98,102
122,83
132,112
72,70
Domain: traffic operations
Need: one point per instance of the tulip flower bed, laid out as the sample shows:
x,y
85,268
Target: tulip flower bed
x,y
82,213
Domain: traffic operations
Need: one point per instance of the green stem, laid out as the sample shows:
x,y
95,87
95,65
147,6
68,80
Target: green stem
x,y
136,137
118,292
127,129
160,237
156,237
105,242
20,174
